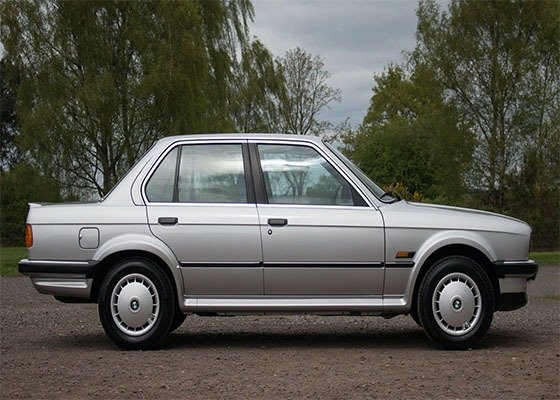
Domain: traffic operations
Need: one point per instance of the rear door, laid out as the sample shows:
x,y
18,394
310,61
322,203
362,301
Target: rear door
x,y
200,202
319,236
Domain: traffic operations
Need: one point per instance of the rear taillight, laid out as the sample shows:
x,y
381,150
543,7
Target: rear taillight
x,y
28,236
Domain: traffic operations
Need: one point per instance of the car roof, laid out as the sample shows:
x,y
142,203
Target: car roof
x,y
256,136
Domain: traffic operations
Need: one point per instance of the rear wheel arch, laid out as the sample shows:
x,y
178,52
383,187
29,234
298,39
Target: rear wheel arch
x,y
111,260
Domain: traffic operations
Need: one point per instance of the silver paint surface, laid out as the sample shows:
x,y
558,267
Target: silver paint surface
x,y
239,234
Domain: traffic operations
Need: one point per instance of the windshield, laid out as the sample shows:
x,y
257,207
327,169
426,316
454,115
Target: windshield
x,y
376,190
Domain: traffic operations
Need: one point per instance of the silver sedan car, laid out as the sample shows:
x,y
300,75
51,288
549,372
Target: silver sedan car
x,y
245,223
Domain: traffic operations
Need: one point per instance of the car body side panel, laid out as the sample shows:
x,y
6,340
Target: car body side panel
x,y
218,246
58,227
322,250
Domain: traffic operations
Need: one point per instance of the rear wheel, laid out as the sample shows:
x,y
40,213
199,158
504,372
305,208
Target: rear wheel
x,y
136,306
456,303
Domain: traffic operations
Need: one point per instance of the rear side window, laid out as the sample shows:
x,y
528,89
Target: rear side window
x,y
212,174
202,173
161,185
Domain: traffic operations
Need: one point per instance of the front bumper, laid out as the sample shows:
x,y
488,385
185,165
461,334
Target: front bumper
x,y
527,269
513,277
68,279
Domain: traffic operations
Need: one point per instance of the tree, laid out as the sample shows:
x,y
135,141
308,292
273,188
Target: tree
x,y
304,92
410,138
21,185
9,124
258,84
498,61
100,81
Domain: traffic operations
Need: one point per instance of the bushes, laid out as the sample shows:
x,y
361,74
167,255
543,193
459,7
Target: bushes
x,y
20,186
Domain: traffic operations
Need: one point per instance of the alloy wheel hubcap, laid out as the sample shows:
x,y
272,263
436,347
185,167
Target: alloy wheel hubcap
x,y
134,304
456,304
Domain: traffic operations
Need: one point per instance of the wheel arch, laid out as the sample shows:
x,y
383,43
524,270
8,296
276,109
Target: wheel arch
x,y
475,250
136,246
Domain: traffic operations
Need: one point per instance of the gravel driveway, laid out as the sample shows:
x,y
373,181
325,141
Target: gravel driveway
x,y
54,350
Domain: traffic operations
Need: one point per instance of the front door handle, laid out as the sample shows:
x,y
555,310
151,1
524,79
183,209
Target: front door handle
x,y
277,222
168,220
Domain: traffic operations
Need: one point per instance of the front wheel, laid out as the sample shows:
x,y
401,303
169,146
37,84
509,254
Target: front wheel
x,y
178,320
136,306
456,303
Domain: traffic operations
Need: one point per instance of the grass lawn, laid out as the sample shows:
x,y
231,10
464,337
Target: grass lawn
x,y
9,257
546,258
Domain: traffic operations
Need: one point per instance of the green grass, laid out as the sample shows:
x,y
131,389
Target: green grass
x,y
548,258
9,257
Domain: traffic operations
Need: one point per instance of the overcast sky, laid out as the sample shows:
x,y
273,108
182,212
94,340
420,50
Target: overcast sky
x,y
355,38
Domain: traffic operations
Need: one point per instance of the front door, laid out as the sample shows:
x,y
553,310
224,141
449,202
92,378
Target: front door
x,y
319,237
200,205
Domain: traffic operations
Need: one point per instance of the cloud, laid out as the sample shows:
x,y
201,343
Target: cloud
x,y
355,38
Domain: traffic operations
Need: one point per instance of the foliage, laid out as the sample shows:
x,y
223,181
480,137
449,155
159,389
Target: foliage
x,y
255,108
102,80
304,92
19,186
499,62
472,117
406,131
9,124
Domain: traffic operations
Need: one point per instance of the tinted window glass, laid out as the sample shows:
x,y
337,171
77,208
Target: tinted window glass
x,y
161,184
300,175
212,173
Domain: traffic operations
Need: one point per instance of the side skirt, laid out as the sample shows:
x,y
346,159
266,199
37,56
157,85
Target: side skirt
x,y
374,305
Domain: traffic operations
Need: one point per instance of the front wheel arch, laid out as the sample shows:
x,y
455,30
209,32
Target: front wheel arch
x,y
455,303
457,250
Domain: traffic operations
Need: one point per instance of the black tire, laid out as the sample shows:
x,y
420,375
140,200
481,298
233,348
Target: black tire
x,y
414,315
463,304
178,320
144,304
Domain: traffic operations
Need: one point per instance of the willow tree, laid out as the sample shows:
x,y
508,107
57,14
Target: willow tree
x,y
258,82
100,81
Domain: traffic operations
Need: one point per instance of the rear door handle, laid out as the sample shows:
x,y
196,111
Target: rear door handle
x,y
168,220
277,222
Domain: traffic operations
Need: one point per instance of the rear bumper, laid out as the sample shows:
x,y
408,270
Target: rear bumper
x,y
29,267
513,277
70,279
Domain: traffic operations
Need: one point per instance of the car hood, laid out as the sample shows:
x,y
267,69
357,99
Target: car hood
x,y
431,216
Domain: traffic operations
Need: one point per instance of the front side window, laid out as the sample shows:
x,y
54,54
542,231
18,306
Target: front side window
x,y
201,173
300,175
